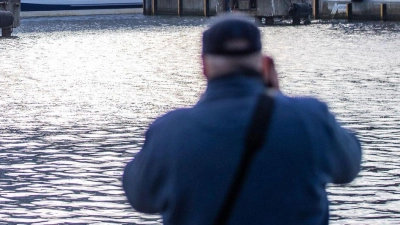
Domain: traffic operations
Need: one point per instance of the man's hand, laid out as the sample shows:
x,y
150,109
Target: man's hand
x,y
269,73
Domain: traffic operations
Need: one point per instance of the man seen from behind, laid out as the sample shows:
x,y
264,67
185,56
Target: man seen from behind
x,y
190,156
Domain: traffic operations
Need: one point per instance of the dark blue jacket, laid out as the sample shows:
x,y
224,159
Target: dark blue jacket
x,y
189,157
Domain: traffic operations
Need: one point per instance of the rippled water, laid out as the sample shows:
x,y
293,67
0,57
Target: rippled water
x,y
77,93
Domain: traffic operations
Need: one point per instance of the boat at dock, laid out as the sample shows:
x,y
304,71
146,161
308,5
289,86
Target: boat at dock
x,y
56,5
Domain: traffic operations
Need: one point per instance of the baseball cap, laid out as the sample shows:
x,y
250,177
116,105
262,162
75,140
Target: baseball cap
x,y
231,35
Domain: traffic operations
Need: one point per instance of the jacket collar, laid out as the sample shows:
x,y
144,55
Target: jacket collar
x,y
237,84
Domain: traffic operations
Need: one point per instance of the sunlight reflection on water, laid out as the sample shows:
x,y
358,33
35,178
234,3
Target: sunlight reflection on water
x,y
77,93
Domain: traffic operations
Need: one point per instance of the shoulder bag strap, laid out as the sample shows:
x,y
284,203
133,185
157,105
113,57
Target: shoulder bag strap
x,y
254,140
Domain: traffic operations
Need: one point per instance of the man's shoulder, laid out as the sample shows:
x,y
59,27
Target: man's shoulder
x,y
303,108
302,103
171,118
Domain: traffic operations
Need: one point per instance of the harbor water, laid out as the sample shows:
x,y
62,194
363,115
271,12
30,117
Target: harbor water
x,y
77,94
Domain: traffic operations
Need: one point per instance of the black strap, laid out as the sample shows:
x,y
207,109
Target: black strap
x,y
254,140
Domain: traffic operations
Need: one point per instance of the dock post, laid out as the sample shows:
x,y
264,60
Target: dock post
x,y
206,7
349,11
154,7
147,8
6,32
315,8
179,7
383,12
10,11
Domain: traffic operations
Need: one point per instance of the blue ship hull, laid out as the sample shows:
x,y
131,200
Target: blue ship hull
x,y
56,7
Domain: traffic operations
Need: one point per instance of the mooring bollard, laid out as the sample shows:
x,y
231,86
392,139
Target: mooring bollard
x,y
383,12
6,19
9,16
349,11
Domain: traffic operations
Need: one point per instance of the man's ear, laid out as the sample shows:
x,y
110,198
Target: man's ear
x,y
206,67
269,73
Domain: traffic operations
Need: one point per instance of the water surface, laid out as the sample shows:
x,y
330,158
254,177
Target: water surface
x,y
77,94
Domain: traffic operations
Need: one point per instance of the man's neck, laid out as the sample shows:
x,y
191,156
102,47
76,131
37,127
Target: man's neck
x,y
240,71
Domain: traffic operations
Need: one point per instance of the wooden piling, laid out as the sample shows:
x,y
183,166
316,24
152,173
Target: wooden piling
x,y
206,7
349,11
6,32
383,12
146,7
154,7
315,7
179,7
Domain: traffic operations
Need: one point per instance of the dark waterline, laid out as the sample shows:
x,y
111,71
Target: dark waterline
x,y
77,94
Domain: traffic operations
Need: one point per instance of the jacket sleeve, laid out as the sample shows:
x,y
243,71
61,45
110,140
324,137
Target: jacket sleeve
x,y
144,177
344,153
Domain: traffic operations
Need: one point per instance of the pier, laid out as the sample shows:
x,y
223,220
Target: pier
x,y
9,16
267,9
359,10
264,11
